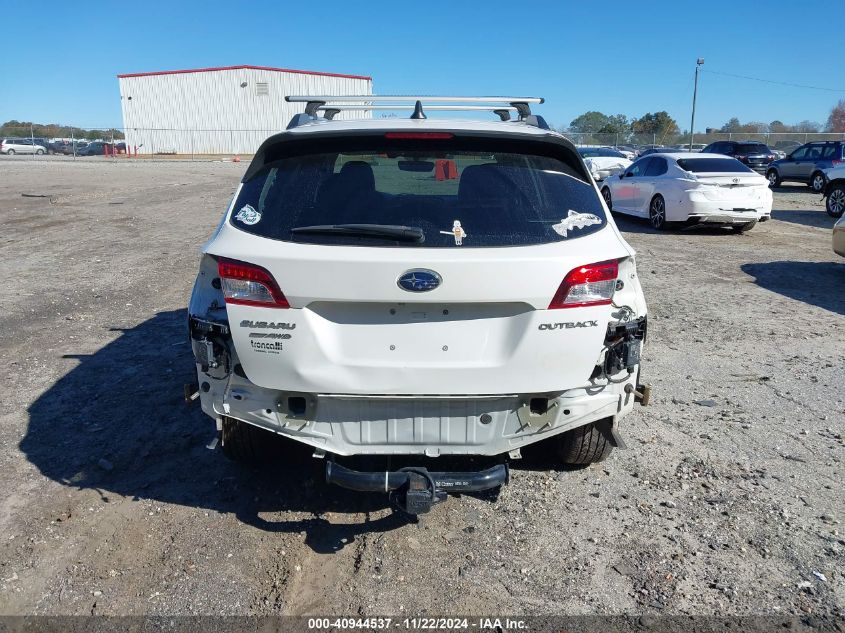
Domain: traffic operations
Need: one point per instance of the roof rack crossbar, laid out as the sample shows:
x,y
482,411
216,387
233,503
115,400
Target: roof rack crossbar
x,y
330,111
313,102
502,106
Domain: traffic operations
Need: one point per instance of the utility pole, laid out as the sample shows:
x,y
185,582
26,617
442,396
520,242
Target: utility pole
x,y
698,64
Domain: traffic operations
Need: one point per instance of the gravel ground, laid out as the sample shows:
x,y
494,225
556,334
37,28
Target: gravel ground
x,y
728,501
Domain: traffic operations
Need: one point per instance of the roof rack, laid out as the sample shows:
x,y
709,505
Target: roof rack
x,y
332,105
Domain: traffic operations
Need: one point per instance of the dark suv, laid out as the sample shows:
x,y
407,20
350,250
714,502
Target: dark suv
x,y
807,164
755,155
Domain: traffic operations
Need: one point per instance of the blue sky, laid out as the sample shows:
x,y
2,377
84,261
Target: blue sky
x,y
615,57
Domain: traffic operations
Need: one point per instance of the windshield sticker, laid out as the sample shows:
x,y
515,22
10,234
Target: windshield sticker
x,y
457,231
575,220
248,215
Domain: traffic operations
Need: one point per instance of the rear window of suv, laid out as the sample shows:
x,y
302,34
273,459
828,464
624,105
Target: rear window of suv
x,y
456,197
752,148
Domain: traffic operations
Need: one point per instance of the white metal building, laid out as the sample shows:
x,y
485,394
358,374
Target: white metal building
x,y
227,110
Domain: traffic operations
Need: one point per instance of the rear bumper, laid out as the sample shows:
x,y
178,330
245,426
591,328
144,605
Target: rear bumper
x,y
725,212
417,425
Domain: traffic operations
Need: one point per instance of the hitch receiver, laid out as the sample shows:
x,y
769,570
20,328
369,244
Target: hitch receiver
x,y
414,490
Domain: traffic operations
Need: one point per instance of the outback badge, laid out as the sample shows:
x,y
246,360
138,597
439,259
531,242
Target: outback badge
x,y
419,280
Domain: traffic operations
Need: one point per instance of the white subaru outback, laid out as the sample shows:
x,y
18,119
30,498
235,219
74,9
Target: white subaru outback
x,y
418,287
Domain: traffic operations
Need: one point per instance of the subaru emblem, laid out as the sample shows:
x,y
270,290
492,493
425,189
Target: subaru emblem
x,y
419,280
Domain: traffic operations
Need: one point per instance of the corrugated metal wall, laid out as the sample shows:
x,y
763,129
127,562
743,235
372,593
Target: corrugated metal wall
x,y
212,112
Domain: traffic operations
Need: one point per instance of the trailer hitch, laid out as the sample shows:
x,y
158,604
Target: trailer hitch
x,y
414,490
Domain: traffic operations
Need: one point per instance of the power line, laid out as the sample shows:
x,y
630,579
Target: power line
x,y
770,81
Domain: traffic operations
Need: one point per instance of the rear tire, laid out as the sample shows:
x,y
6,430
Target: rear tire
x,y
835,203
657,213
242,442
10,152
817,182
585,445
744,228
773,178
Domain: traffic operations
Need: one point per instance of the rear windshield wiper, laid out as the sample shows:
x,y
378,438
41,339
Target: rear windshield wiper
x,y
382,231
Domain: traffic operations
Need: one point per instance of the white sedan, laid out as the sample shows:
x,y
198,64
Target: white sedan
x,y
692,188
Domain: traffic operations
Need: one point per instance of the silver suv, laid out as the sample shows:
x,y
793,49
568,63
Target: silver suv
x,y
20,146
807,164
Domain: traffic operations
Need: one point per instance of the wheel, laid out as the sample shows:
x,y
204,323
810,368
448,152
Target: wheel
x,y
817,182
10,152
242,442
835,204
657,212
605,193
39,152
585,445
774,178
744,228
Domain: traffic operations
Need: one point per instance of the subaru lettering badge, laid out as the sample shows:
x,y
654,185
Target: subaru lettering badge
x,y
419,280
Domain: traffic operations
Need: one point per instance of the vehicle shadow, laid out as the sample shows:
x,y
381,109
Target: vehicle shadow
x,y
795,189
630,224
814,217
816,283
117,423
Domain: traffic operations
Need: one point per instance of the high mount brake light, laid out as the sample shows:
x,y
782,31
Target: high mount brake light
x,y
590,285
249,285
429,136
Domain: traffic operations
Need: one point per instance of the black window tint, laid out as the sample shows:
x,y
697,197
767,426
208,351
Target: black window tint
x,y
830,152
657,167
752,148
499,198
814,152
712,165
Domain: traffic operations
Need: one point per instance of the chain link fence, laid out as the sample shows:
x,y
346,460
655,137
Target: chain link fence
x,y
221,144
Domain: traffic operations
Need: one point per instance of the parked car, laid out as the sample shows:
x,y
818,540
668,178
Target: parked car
x,y
94,148
345,303
692,188
839,237
656,150
45,143
644,148
603,162
756,155
11,146
696,147
64,147
807,164
627,151
787,147
834,191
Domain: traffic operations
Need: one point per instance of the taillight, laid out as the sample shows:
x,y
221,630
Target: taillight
x,y
835,162
590,285
249,285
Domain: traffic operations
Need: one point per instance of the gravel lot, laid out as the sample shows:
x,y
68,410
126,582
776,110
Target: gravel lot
x,y
728,501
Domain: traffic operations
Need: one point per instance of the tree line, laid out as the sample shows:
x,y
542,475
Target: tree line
x,y
55,130
662,126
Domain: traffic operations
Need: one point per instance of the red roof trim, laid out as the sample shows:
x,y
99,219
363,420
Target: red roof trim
x,y
208,70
